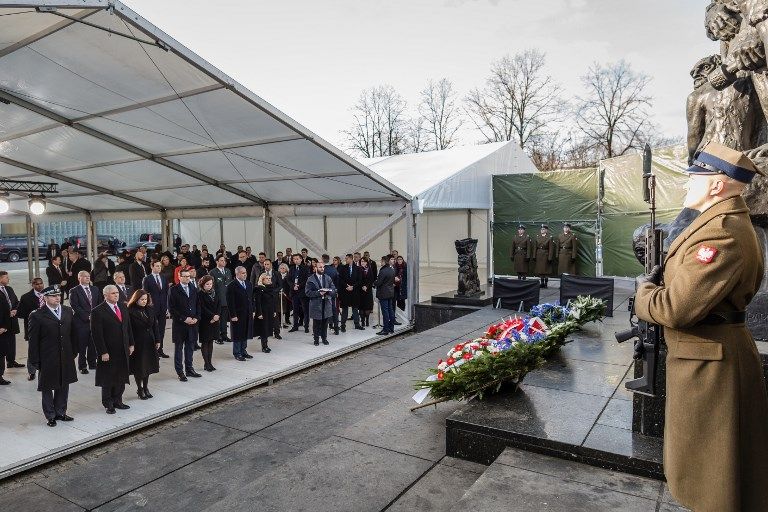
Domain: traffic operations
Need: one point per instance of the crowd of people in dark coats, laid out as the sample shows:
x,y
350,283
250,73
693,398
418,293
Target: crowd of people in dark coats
x,y
117,313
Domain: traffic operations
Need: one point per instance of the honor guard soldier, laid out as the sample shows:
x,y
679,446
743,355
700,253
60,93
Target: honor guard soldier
x,y
545,253
51,353
716,429
521,252
567,248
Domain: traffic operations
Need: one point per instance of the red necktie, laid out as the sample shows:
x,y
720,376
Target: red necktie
x,y
118,313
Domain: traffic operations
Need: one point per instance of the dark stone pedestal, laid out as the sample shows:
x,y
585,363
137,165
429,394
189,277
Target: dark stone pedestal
x,y
757,316
482,299
429,315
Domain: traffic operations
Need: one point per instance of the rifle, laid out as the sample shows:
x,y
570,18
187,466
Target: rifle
x,y
648,336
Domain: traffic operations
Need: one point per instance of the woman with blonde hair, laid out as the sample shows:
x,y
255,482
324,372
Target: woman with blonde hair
x,y
266,313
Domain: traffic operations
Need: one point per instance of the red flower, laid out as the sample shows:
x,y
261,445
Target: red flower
x,y
460,346
484,343
450,361
467,356
440,361
439,375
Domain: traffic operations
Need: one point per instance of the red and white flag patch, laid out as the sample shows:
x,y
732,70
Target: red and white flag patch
x,y
706,254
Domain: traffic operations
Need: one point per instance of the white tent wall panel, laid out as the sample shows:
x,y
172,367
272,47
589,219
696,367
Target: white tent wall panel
x,y
200,232
439,230
245,232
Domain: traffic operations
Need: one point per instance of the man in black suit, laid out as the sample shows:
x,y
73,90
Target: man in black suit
x,y
32,301
9,297
297,277
53,250
182,305
137,272
157,288
222,276
241,313
385,292
76,265
112,335
123,289
83,298
350,282
276,289
56,273
51,329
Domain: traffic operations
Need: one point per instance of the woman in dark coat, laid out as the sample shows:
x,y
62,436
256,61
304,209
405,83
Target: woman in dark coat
x,y
366,291
146,341
266,313
167,271
209,306
285,294
401,283
102,272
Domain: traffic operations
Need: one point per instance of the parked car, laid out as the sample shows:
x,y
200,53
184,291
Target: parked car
x,y
152,237
14,248
106,243
149,245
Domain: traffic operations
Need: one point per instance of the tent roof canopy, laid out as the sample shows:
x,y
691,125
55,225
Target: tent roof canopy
x,y
455,178
125,118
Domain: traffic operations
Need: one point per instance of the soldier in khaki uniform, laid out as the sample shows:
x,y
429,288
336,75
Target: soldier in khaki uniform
x,y
545,253
567,248
716,433
521,252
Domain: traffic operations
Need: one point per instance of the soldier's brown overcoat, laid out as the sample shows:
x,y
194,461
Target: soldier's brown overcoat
x,y
567,248
521,253
545,253
716,433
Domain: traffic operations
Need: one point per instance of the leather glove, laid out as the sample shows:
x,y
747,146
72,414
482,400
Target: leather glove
x,y
653,277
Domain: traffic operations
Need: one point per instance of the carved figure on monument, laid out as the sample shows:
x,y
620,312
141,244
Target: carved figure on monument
x,y
469,281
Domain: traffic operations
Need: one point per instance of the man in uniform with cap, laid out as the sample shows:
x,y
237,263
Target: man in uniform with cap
x,y
567,248
545,253
521,252
51,353
716,430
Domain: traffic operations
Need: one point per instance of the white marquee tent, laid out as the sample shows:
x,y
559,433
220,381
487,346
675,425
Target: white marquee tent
x,y
133,125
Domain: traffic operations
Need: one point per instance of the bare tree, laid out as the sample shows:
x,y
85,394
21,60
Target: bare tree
x,y
441,116
380,124
417,138
614,115
519,99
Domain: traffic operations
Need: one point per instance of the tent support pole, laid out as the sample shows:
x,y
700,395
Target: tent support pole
x,y
469,223
166,231
325,231
29,246
90,238
269,234
412,247
301,236
36,249
221,231
391,241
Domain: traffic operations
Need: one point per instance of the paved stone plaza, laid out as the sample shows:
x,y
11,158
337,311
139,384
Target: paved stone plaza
x,y
337,437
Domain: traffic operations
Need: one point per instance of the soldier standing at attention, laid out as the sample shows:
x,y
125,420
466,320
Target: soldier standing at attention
x,y
545,253
716,430
567,248
522,250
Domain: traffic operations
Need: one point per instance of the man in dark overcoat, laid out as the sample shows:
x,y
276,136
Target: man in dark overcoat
x,y
111,331
241,313
9,299
222,276
350,283
157,288
297,282
182,306
52,354
321,292
83,298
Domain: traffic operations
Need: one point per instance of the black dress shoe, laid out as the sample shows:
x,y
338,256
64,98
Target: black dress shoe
x,y
317,343
293,329
147,393
141,394
266,350
182,378
240,358
84,371
278,337
31,376
52,423
4,382
111,411
65,418
219,342
164,355
247,356
122,407
193,373
359,328
336,332
306,329
213,369
14,364
381,333
343,328
325,342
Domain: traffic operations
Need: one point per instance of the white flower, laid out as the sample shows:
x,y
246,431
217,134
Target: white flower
x,y
442,366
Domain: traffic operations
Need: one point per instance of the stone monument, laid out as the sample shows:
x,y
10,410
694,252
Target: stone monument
x,y
469,281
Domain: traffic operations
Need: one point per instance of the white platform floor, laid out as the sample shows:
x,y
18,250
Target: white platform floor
x,y
27,440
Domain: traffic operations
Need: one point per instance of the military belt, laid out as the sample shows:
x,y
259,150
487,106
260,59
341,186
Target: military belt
x,y
725,317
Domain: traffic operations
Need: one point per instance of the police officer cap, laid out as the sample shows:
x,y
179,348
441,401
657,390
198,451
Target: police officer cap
x,y
521,227
52,290
718,159
544,226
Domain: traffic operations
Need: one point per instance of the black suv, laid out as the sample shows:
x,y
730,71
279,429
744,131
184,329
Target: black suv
x,y
106,243
14,248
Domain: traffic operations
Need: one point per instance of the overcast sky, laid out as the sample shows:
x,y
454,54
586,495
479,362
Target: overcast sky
x,y
312,58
